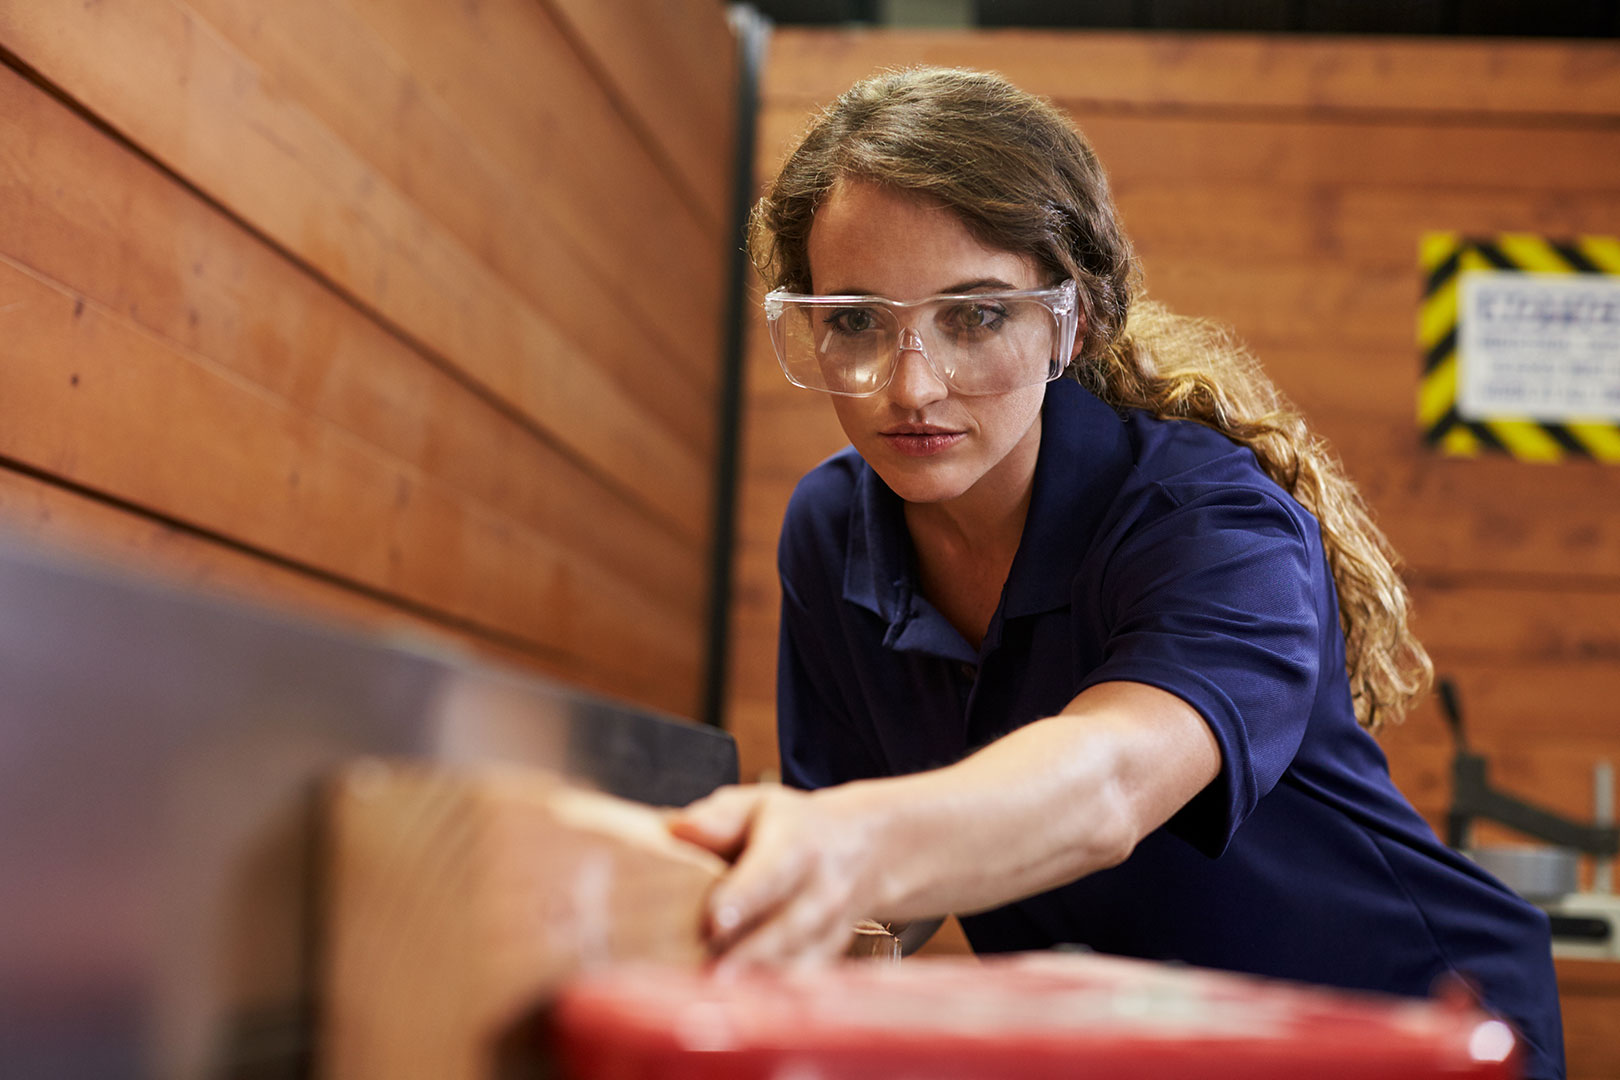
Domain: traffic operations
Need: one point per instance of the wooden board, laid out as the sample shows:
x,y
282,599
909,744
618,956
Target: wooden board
x,y
190,99
1370,226
645,50
458,901
1228,71
332,63
251,470
77,207
1534,621
1146,149
752,719
1591,1001
76,525
529,97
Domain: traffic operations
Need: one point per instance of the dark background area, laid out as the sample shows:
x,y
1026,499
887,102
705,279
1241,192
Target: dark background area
x,y
1501,18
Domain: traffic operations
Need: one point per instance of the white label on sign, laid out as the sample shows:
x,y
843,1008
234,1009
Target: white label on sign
x,y
1538,346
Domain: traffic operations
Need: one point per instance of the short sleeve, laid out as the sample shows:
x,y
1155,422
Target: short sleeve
x,y
818,736
818,742
1213,598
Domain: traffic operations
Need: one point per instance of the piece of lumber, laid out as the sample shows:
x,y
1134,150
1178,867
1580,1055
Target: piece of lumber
x,y
159,75
458,901
1228,71
36,513
329,60
529,96
1589,995
80,208
1292,152
84,390
644,50
1363,225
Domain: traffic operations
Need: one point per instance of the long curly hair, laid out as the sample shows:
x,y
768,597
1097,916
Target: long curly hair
x,y
1023,179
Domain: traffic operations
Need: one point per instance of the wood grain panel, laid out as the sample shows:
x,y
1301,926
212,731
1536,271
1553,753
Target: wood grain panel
x,y
185,95
243,466
648,49
1591,990
525,92
334,64
1292,305
788,436
1371,227
460,901
753,721
77,207
1537,620
1323,150
1494,516
1145,149
1179,71
75,525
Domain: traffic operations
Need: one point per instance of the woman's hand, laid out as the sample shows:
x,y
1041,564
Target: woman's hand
x,y
1050,802
806,867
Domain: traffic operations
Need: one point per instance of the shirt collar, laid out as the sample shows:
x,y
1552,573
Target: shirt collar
x,y
880,571
1083,459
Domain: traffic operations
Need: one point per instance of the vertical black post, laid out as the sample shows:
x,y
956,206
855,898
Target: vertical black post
x,y
752,31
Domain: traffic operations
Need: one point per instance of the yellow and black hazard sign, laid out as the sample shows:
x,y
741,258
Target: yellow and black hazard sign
x,y
1520,338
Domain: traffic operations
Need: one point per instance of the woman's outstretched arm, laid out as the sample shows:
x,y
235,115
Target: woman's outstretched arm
x,y
1044,805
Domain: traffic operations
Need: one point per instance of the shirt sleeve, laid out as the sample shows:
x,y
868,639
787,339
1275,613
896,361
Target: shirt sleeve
x,y
1215,601
820,745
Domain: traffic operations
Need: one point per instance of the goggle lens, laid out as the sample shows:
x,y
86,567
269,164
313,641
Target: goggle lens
x,y
978,344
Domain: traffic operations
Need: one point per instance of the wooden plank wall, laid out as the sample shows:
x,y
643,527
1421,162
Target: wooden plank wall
x,y
1281,185
368,309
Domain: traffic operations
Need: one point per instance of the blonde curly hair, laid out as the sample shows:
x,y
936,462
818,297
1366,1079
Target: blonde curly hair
x,y
1023,179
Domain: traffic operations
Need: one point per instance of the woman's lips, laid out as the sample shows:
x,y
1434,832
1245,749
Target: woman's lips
x,y
922,443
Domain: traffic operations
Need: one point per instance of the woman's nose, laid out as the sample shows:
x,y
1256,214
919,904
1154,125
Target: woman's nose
x,y
915,383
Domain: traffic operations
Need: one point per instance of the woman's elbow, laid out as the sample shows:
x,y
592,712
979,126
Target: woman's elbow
x,y
1114,829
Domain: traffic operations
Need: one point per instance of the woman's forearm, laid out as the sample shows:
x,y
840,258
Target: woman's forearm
x,y
1044,805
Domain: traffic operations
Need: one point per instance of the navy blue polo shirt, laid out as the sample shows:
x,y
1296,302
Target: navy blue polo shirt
x,y
1155,551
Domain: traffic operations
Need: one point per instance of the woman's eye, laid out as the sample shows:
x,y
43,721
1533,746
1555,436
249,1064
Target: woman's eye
x,y
978,316
851,321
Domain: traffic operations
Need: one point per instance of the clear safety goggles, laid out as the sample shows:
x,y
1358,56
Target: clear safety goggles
x,y
978,343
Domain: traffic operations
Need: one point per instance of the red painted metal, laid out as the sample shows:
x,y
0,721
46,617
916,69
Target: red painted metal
x,y
1032,1017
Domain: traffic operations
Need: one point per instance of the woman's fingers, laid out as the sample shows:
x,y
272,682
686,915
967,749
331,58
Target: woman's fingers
x,y
811,929
776,865
755,826
719,822
797,864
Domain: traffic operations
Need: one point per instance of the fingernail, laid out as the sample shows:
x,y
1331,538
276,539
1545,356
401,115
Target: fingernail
x,y
727,917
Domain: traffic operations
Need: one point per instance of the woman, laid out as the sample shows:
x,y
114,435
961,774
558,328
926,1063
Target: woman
x,y
1086,659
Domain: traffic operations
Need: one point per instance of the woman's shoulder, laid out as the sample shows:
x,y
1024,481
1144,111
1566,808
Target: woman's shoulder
x,y
1175,453
826,492
1168,450
818,512
1181,465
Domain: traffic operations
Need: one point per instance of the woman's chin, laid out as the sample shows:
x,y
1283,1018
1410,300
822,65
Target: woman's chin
x,y
922,483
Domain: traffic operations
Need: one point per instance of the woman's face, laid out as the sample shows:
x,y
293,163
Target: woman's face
x,y
928,443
